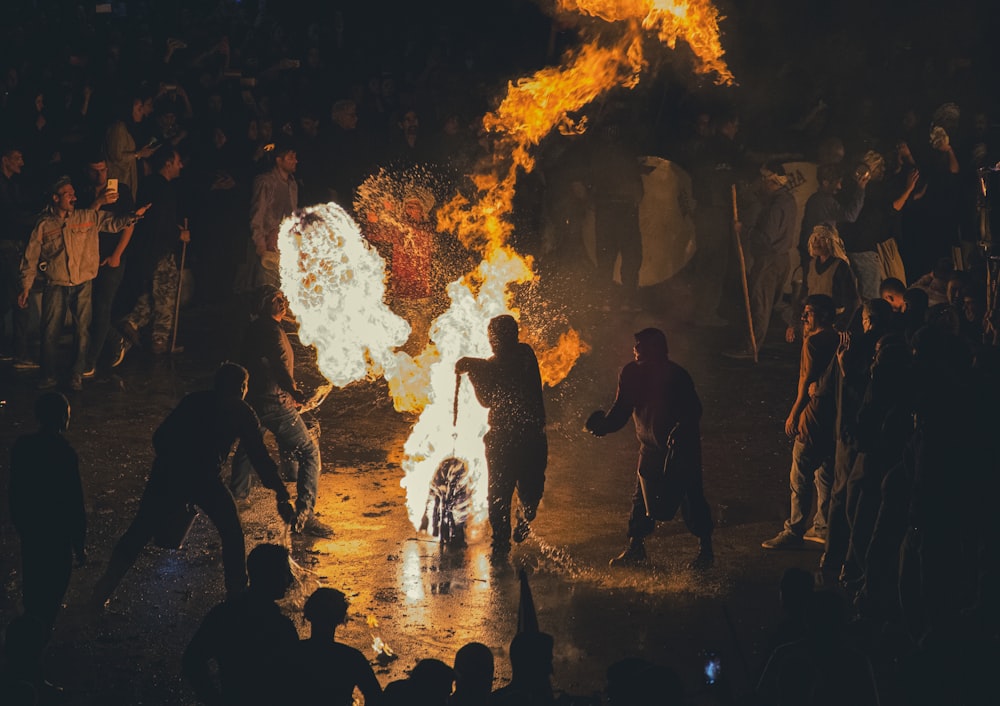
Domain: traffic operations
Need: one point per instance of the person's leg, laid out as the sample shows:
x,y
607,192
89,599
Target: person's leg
x,y
838,531
81,301
105,287
239,478
153,509
502,480
534,454
166,279
45,577
216,501
291,432
824,485
630,246
53,316
868,269
800,483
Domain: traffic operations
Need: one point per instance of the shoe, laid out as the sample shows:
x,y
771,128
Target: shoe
x,y
123,347
634,555
130,333
739,354
90,373
812,535
784,540
704,560
24,364
47,383
76,383
313,527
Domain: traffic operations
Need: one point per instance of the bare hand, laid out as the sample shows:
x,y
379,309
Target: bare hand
x,y
790,334
22,299
185,235
113,260
911,179
863,178
147,151
463,365
790,426
140,212
107,196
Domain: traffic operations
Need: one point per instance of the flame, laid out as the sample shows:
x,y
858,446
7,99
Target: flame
x,y
381,649
336,281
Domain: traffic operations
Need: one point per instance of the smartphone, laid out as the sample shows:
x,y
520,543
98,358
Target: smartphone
x,y
112,185
713,669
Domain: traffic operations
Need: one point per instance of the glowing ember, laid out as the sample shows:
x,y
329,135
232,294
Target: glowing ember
x,y
383,652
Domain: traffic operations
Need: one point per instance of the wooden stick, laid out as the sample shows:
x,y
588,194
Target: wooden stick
x,y
743,274
180,284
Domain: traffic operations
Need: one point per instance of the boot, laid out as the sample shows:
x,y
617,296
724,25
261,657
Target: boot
x,y
634,555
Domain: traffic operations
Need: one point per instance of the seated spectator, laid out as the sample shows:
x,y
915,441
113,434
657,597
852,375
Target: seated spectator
x,y
473,675
327,671
429,684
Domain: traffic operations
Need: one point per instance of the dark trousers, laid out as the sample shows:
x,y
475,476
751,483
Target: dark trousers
x,y
864,498
163,496
683,490
515,461
838,533
45,573
616,228
105,289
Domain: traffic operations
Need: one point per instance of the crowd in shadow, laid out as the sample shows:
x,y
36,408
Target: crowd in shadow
x,y
898,390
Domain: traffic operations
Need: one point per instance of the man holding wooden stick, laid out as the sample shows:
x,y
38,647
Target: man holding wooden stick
x,y
767,245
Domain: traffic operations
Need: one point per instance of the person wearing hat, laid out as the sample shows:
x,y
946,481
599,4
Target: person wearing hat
x,y
65,243
768,244
276,398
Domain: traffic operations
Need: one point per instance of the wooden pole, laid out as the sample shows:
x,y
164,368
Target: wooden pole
x,y
743,274
177,302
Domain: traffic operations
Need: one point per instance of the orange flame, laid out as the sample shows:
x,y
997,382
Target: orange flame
x,y
555,363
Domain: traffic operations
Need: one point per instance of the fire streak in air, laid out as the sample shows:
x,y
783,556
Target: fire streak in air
x,y
336,282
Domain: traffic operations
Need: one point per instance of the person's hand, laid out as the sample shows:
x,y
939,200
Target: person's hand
x,y
299,396
811,390
22,298
107,196
112,260
286,511
863,178
911,179
223,181
595,423
463,365
790,334
81,556
140,212
790,426
185,234
147,151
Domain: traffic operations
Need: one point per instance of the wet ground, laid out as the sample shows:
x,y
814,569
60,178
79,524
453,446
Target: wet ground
x,y
428,602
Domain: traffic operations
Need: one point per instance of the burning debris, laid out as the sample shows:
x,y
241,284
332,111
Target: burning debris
x,y
383,653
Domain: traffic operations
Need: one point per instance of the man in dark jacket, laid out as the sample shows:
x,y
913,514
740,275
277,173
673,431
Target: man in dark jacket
x,y
510,386
660,397
191,445
275,397
46,508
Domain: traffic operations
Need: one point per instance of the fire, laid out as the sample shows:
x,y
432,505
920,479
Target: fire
x,y
383,652
336,281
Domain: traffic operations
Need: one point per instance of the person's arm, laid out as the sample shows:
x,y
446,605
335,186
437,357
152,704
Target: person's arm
x,y
29,263
258,213
478,370
198,657
851,208
845,292
280,361
911,184
367,682
600,423
802,390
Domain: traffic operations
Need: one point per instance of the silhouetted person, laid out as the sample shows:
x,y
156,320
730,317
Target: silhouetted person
x,y
429,684
191,445
795,594
510,386
21,680
473,675
327,671
247,638
46,508
660,398
531,672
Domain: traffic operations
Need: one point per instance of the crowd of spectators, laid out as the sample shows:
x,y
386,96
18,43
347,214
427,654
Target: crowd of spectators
x,y
908,395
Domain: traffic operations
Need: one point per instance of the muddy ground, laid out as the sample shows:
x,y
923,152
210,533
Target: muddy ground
x,y
428,602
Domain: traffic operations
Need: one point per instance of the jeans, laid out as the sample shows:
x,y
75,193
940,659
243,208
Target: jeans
x,y
291,433
809,470
868,269
56,300
106,286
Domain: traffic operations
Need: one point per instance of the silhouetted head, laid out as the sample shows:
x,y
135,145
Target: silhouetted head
x,y
531,656
231,380
502,333
52,411
796,590
876,315
474,669
432,680
650,344
326,607
269,571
